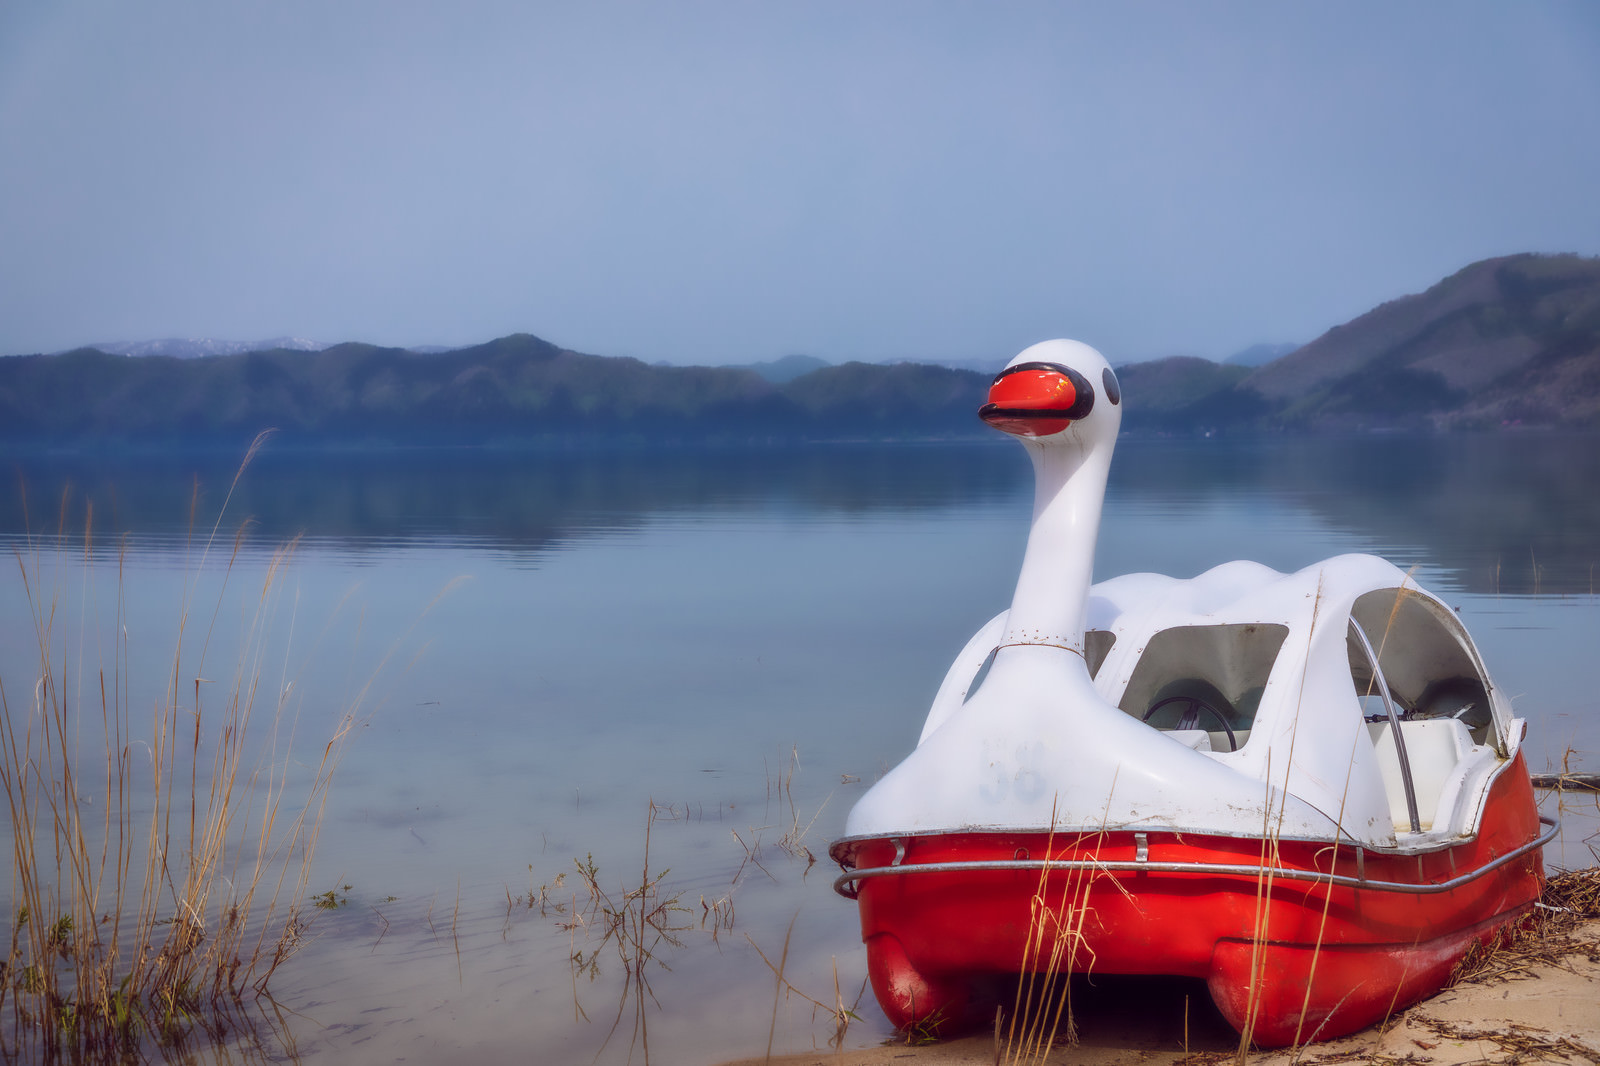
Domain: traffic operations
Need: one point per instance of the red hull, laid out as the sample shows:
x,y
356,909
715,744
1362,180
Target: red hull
x,y
1288,961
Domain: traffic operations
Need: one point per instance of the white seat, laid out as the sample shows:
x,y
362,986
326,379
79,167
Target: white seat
x,y
1434,748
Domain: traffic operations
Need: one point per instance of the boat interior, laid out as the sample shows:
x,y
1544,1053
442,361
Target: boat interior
x,y
1204,683
1427,707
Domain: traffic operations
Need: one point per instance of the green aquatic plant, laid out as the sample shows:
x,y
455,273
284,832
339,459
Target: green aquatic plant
x,y
331,900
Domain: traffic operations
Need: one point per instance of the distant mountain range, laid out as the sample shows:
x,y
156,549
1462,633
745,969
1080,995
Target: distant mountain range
x,y
1508,341
784,370
518,391
1504,342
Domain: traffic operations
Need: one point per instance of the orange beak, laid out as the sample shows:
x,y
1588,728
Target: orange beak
x,y
1037,399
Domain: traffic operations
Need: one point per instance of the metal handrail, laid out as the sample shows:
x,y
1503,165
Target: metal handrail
x,y
1394,723
844,883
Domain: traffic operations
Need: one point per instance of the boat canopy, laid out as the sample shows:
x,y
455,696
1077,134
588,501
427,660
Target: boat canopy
x,y
1343,685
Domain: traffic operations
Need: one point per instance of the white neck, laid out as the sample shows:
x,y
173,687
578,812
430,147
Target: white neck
x,y
1051,602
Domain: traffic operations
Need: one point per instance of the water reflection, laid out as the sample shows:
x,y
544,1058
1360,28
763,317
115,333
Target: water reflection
x,y
523,502
1507,513
254,1030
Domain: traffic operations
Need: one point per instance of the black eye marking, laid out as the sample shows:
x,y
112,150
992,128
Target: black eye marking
x,y
1113,390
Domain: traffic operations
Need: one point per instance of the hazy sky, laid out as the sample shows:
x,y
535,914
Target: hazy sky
x,y
737,181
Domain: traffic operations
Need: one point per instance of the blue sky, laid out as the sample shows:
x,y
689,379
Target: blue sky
x,y
731,182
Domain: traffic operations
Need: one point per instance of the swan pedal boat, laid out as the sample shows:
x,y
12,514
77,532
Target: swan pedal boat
x,y
1302,788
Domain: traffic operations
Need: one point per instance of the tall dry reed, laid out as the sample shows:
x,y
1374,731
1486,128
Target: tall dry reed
x,y
1057,946
158,862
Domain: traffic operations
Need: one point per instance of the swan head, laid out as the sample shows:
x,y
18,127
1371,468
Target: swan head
x,y
1054,391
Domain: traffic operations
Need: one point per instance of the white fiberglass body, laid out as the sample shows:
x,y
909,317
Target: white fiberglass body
x,y
1068,710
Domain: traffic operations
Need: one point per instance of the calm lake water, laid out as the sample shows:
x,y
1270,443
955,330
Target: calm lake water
x,y
550,644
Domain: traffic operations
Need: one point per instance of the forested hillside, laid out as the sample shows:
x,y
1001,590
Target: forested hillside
x,y
1508,339
515,390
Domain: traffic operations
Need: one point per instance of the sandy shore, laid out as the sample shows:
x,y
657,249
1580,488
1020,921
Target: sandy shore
x,y
1537,1004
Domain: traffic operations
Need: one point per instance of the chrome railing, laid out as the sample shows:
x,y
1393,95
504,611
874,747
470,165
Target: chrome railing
x,y
845,884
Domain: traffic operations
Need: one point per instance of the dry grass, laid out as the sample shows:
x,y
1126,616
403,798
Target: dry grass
x,y
780,789
158,869
1544,938
637,923
1522,1042
836,1012
1056,948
